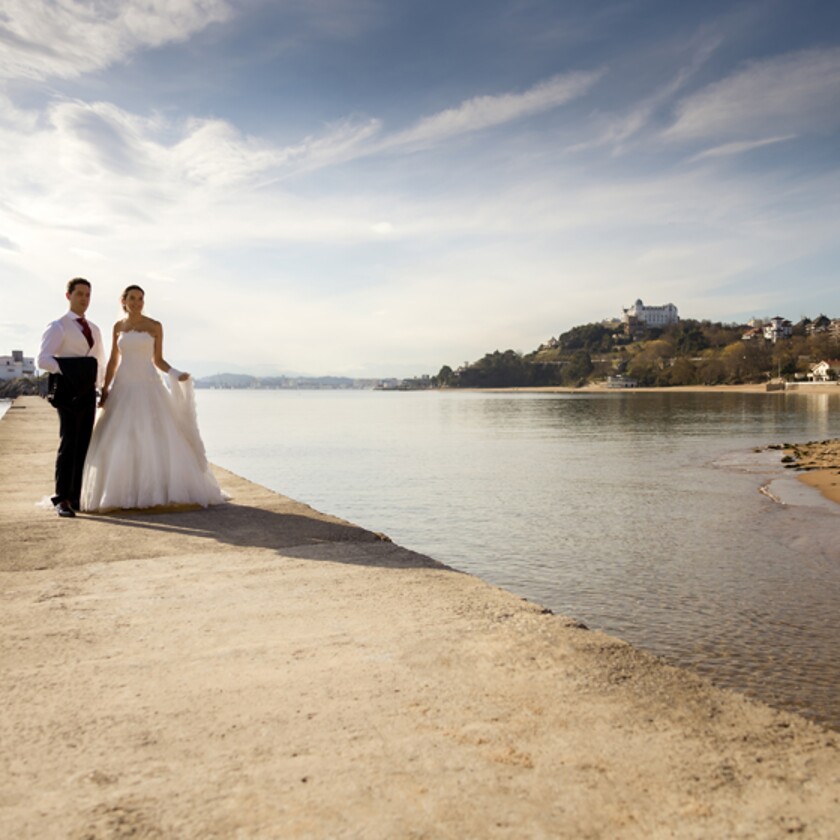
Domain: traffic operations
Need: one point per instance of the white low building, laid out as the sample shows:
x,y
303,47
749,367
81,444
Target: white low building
x,y
824,371
11,367
651,316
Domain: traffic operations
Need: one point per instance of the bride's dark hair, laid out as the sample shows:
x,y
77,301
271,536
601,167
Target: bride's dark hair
x,y
128,289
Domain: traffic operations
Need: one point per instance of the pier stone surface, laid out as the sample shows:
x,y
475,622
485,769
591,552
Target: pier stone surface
x,y
262,670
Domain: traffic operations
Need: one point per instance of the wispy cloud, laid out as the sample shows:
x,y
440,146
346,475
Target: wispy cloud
x,y
615,131
739,147
797,92
484,112
99,137
66,38
340,142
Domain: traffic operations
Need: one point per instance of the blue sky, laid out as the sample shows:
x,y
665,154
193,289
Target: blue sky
x,y
376,188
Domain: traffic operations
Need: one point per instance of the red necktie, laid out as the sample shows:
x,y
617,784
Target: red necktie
x,y
86,331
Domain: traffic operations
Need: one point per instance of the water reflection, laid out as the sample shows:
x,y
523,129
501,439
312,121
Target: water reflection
x,y
637,513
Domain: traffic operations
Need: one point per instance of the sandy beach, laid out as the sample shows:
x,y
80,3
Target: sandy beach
x,y
601,388
819,462
263,670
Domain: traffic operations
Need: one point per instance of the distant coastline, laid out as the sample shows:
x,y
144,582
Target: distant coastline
x,y
601,388
240,381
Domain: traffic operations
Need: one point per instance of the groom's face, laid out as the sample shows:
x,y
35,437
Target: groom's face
x,y
79,299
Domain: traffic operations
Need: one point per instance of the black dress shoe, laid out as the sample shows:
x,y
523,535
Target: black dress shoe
x,y
64,509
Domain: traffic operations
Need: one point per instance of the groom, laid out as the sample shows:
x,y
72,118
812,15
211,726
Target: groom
x,y
73,354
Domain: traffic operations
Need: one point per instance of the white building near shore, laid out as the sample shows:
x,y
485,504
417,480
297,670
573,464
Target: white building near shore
x,y
11,367
651,316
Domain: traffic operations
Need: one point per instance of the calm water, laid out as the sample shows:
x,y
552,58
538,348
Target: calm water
x,y
639,514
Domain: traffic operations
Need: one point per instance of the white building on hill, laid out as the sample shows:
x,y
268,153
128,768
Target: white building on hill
x,y
11,367
778,328
651,316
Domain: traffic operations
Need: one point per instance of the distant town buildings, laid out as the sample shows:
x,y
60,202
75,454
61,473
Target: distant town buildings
x,y
778,328
820,324
651,316
11,367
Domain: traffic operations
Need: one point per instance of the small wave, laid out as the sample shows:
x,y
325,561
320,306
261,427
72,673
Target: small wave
x,y
765,490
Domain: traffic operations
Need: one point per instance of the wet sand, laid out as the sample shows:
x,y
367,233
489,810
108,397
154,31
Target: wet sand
x,y
263,670
820,465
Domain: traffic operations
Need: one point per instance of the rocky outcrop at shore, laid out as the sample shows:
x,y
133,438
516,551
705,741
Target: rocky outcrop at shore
x,y
818,463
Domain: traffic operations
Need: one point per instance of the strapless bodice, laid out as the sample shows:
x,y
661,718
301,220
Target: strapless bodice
x,y
136,350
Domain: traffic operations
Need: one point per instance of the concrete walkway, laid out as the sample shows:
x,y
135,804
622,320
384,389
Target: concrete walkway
x,y
260,670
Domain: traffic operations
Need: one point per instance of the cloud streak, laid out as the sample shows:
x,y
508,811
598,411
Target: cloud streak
x,y
212,153
66,38
793,93
738,148
483,112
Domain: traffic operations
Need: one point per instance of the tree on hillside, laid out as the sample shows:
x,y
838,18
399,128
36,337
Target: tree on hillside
x,y
647,363
589,337
681,372
746,361
824,346
720,335
711,370
445,377
496,370
688,338
577,371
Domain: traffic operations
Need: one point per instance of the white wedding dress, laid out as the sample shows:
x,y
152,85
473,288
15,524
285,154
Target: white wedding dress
x,y
146,449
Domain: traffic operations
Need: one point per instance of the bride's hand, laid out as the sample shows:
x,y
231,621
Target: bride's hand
x,y
102,397
183,377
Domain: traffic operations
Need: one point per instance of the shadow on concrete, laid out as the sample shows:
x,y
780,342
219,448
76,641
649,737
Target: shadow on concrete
x,y
244,526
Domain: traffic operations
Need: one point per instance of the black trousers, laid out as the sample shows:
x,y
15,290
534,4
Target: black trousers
x,y
76,426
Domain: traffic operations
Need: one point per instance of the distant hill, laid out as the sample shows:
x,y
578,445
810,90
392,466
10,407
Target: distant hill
x,y
689,352
226,380
241,380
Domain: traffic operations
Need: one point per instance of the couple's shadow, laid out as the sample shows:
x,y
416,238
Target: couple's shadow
x,y
293,530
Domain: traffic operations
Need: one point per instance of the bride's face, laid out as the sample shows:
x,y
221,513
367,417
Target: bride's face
x,y
133,302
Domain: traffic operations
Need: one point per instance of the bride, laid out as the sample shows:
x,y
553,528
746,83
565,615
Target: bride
x,y
146,449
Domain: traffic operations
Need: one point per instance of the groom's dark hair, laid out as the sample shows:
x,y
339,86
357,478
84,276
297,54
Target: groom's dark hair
x,y
76,281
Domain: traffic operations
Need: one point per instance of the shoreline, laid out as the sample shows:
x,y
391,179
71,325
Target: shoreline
x,y
821,467
262,669
818,465
821,388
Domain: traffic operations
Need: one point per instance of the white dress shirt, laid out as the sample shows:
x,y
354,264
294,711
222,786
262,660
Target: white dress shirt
x,y
64,337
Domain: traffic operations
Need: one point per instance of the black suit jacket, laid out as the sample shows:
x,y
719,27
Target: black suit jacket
x,y
76,384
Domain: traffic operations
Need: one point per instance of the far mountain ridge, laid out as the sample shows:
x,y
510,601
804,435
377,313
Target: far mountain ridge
x,y
241,380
